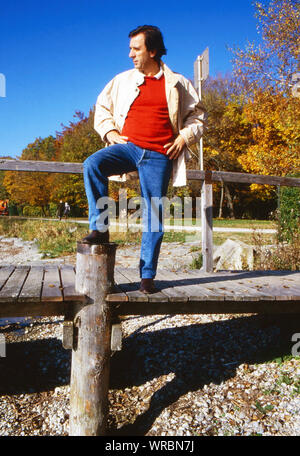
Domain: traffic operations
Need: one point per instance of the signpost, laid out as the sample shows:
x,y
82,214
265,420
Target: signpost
x,y
296,85
201,72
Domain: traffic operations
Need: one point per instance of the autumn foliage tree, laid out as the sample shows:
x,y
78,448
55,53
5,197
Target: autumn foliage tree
x,y
75,143
265,75
34,189
228,133
274,62
275,120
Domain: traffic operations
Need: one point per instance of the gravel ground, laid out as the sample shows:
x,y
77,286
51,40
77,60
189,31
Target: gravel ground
x,y
175,376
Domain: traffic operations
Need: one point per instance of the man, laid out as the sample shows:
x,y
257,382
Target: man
x,y
148,116
66,209
60,209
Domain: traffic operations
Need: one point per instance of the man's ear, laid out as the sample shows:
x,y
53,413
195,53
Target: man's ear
x,y
153,53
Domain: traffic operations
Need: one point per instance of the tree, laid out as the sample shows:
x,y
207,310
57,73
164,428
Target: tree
x,y
227,135
273,63
265,75
3,192
32,189
276,134
75,143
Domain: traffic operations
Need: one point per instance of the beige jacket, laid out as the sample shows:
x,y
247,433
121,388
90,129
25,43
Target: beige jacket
x,y
185,110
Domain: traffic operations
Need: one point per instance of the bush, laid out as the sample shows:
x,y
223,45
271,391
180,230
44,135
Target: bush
x,y
285,254
32,211
289,213
280,256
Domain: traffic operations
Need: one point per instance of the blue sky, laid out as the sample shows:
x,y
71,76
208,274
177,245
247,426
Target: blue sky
x,y
57,55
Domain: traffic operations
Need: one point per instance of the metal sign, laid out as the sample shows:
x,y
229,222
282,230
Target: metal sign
x,y
296,85
201,68
201,72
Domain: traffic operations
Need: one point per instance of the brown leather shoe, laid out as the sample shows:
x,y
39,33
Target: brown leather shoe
x,y
96,237
147,286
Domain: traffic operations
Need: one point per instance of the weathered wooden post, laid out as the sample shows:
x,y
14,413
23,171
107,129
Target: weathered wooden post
x,y
207,222
92,336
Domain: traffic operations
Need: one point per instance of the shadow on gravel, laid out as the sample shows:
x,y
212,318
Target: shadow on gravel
x,y
198,354
34,366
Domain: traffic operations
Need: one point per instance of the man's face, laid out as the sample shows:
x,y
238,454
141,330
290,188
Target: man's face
x,y
141,57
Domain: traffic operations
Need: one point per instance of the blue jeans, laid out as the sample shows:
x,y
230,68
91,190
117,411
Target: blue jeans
x,y
154,173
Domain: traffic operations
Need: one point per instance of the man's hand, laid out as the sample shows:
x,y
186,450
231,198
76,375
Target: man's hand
x,y
114,137
175,148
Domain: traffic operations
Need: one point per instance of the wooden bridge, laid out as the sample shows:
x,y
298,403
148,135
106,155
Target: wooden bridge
x,y
94,294
49,290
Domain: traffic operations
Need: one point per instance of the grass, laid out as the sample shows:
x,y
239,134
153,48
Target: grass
x,y
59,238
227,223
56,239
244,223
282,255
217,222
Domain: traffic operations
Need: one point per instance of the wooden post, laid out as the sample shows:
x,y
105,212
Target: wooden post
x,y
92,341
207,223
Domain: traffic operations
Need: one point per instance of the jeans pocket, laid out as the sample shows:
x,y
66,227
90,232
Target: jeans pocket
x,y
142,159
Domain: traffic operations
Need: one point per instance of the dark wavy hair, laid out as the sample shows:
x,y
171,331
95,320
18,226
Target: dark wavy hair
x,y
153,39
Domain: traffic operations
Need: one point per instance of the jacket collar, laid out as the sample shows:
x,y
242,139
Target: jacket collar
x,y
171,77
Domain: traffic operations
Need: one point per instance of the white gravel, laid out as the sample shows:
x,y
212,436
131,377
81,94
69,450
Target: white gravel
x,y
175,376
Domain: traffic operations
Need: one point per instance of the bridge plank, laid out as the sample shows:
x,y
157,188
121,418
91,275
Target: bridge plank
x,y
196,287
133,276
5,272
67,275
231,286
12,288
194,291
164,280
52,288
282,285
31,291
130,289
191,291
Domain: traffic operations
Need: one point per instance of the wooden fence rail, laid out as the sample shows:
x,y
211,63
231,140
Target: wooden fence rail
x,y
192,174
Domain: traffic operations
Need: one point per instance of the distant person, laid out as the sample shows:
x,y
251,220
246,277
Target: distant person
x,y
148,116
66,210
60,209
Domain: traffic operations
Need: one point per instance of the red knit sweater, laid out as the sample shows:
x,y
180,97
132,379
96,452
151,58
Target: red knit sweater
x,y
147,124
